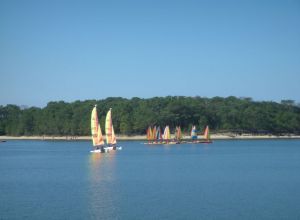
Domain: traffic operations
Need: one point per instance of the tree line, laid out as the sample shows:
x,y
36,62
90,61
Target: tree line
x,y
133,116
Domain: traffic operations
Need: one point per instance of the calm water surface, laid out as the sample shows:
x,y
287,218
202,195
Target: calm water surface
x,y
223,180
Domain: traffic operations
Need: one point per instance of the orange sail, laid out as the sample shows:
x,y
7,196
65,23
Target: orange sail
x,y
206,133
96,129
178,134
153,133
149,133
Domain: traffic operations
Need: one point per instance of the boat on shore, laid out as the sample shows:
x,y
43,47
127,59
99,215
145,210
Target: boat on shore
x,y
205,140
155,136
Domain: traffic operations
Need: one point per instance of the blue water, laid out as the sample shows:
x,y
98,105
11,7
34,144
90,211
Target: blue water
x,y
224,180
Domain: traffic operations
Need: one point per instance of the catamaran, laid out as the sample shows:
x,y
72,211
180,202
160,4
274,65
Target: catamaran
x,y
111,139
97,137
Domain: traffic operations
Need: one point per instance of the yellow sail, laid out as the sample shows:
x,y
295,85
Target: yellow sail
x,y
109,130
100,136
167,135
96,129
113,136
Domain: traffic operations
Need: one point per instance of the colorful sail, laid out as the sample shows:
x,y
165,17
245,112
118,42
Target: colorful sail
x,y
96,129
158,135
206,133
153,133
194,133
109,129
178,134
113,136
149,133
167,135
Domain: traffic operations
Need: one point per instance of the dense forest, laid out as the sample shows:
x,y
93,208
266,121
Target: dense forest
x,y
133,116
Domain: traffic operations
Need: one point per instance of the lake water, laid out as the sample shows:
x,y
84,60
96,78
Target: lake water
x,y
258,179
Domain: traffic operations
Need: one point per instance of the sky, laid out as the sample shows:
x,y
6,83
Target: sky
x,y
77,50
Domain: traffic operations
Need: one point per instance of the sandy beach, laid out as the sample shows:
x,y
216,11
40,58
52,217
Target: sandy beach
x,y
143,137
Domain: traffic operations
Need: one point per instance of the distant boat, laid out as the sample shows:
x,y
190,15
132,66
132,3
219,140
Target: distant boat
x,y
178,134
207,136
154,135
149,135
97,137
158,135
111,139
194,136
166,136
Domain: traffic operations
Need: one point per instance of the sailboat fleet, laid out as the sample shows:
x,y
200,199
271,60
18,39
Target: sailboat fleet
x,y
97,137
154,136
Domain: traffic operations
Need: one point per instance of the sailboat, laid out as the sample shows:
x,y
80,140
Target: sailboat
x,y
167,136
154,136
202,141
178,135
149,135
206,136
158,135
97,137
111,139
194,134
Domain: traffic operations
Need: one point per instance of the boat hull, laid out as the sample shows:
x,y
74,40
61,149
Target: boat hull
x,y
106,149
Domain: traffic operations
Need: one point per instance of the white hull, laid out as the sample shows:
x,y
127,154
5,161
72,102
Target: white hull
x,y
106,150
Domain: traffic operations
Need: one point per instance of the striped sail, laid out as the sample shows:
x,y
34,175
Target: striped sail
x,y
97,137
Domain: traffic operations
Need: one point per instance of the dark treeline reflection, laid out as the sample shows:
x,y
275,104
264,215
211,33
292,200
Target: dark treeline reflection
x,y
133,116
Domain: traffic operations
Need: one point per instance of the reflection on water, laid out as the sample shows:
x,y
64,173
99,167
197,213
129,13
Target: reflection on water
x,y
101,188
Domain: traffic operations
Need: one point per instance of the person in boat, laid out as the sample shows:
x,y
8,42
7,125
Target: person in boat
x,y
194,134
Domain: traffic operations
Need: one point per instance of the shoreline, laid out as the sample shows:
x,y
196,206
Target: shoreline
x,y
143,137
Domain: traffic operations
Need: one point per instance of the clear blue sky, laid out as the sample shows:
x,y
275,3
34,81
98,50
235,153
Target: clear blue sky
x,y
77,50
